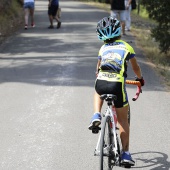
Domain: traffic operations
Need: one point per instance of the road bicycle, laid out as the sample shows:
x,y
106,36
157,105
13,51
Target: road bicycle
x,y
108,145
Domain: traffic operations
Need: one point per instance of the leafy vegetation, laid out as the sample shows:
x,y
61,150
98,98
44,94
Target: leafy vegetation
x,y
159,11
11,17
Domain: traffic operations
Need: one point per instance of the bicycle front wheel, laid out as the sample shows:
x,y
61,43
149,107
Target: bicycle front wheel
x,y
106,145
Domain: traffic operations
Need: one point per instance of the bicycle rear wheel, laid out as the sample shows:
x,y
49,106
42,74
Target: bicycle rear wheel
x,y
106,163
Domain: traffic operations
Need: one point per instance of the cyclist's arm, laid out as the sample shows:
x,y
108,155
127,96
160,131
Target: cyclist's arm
x,y
98,66
136,67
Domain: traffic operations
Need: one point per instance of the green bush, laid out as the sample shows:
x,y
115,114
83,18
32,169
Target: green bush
x,y
159,11
11,17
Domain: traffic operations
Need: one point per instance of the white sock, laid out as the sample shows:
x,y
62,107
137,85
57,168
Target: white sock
x,y
96,113
127,152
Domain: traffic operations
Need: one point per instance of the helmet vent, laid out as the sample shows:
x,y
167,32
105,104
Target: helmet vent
x,y
108,30
104,23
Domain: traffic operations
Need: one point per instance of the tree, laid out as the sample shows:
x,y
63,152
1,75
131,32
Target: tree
x,y
159,11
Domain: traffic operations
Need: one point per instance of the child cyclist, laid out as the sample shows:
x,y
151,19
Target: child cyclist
x,y
111,76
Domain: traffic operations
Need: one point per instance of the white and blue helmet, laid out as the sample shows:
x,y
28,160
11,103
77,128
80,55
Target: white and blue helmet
x,y
108,28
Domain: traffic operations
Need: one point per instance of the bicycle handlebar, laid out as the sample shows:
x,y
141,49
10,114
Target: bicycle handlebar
x,y
138,90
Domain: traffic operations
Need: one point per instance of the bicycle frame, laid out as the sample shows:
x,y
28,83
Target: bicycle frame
x,y
109,112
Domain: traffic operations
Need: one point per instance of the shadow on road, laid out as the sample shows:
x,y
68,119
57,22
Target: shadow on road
x,y
65,56
151,160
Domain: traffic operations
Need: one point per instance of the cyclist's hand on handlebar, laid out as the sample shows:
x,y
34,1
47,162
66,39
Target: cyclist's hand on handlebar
x,y
142,81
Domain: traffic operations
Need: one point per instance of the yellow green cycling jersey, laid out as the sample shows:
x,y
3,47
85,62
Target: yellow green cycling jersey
x,y
114,57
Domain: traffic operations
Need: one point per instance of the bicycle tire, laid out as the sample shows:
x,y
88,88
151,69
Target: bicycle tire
x,y
105,144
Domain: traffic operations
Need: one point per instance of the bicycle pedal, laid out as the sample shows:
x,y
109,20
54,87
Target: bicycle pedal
x,y
96,130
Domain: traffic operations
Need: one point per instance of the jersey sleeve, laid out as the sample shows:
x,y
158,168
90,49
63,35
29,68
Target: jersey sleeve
x,y
131,51
99,56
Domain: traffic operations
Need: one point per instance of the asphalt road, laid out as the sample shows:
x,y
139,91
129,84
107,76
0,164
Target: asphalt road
x,y
46,88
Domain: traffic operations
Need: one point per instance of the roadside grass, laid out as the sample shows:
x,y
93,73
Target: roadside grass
x,y
160,61
10,20
144,41
150,48
143,13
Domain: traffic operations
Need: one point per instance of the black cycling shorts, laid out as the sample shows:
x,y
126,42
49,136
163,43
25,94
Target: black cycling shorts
x,y
116,88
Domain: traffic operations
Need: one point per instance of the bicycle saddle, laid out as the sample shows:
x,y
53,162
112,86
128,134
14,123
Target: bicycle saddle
x,y
108,97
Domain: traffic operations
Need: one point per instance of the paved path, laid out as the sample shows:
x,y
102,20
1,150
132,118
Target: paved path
x,y
46,88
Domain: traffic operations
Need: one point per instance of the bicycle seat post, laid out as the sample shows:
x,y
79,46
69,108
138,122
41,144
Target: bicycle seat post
x,y
109,102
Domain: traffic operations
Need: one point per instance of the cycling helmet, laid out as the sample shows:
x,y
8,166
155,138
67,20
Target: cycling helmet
x,y
108,28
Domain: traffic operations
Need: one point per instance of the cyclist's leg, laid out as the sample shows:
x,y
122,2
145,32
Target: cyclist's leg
x,y
122,115
101,88
96,118
122,107
97,103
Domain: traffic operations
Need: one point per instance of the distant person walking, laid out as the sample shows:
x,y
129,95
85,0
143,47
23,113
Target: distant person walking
x,y
29,6
52,13
118,10
128,14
